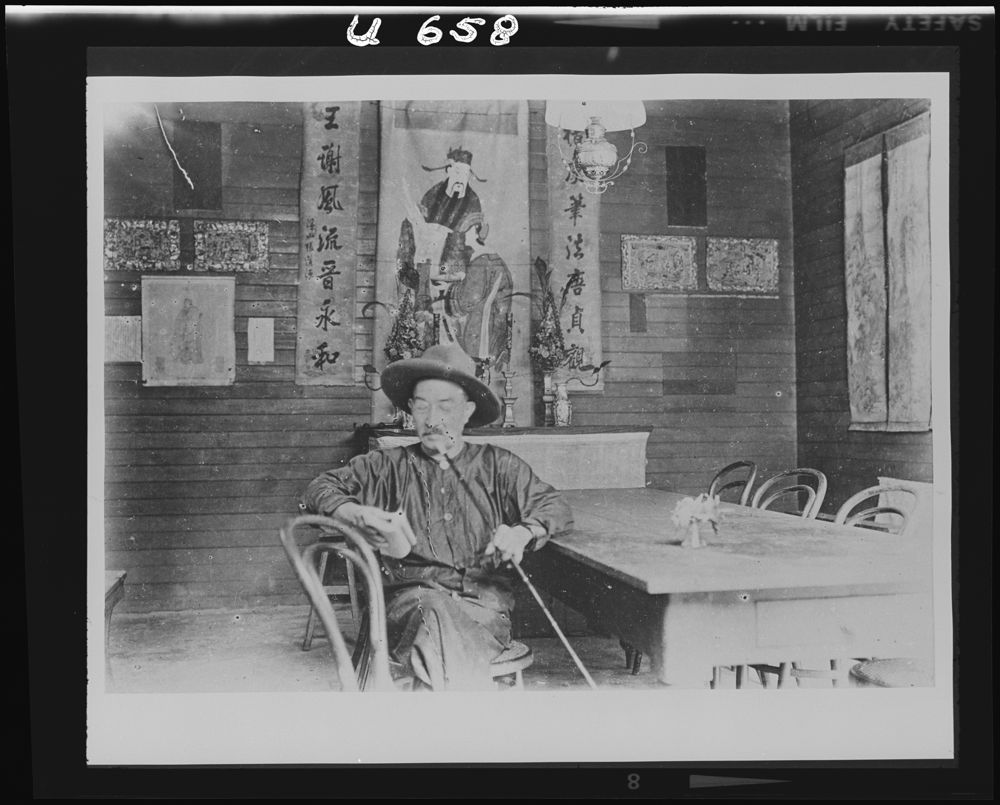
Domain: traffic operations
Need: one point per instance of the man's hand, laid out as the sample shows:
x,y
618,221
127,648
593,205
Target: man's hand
x,y
382,529
508,543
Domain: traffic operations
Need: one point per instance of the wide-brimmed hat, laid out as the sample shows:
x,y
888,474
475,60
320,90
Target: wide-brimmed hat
x,y
442,362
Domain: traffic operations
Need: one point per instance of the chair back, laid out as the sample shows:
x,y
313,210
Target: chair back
x,y
788,483
893,518
743,486
375,675
921,519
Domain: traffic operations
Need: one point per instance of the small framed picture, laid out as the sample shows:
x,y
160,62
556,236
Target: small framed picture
x,y
187,331
659,263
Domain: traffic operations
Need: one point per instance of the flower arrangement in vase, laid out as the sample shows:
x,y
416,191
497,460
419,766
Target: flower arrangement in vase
x,y
406,337
550,356
547,349
690,513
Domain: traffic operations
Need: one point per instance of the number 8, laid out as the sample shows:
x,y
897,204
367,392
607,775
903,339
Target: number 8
x,y
503,29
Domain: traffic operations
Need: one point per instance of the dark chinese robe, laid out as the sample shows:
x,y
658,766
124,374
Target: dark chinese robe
x,y
448,607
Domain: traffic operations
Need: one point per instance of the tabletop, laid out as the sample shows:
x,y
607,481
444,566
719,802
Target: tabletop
x,y
627,534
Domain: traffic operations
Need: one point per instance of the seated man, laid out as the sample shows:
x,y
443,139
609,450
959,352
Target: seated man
x,y
463,509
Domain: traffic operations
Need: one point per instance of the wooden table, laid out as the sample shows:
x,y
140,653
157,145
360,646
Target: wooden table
x,y
769,587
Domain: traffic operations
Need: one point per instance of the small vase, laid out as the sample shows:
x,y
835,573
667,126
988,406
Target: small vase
x,y
563,409
549,398
693,538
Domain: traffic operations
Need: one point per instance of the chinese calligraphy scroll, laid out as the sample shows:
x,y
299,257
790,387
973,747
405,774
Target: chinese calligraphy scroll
x,y
452,257
328,206
575,262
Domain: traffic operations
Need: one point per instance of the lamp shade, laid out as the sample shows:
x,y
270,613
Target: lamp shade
x,y
576,115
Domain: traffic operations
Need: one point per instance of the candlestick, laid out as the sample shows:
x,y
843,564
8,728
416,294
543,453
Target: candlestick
x,y
508,400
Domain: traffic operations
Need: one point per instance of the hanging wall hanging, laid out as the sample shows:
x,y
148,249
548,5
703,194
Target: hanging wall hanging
x,y
231,246
452,259
742,265
328,249
187,331
142,244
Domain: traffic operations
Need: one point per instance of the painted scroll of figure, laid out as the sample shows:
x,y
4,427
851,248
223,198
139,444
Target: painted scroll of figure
x,y
463,296
185,346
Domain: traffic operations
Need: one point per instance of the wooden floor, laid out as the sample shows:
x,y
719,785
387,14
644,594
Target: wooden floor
x,y
259,650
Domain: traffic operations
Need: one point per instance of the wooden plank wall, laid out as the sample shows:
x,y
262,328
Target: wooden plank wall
x,y
713,377
198,480
852,460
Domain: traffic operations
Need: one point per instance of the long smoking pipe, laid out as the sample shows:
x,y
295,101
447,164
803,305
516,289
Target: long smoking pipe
x,y
444,463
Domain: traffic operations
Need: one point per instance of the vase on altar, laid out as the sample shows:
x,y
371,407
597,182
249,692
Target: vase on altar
x,y
562,409
549,398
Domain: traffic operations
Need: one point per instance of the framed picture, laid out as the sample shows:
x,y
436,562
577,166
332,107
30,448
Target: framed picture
x,y
230,246
123,339
659,263
140,244
187,331
744,265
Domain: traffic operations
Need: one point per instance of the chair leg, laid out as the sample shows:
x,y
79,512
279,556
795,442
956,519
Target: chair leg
x,y
636,662
716,677
762,676
628,653
519,680
361,658
785,674
741,675
310,630
352,590
312,619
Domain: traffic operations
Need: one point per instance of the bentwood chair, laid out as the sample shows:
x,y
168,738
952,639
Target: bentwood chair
x,y
723,484
376,674
789,483
901,673
368,667
880,517
883,516
331,589
778,487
